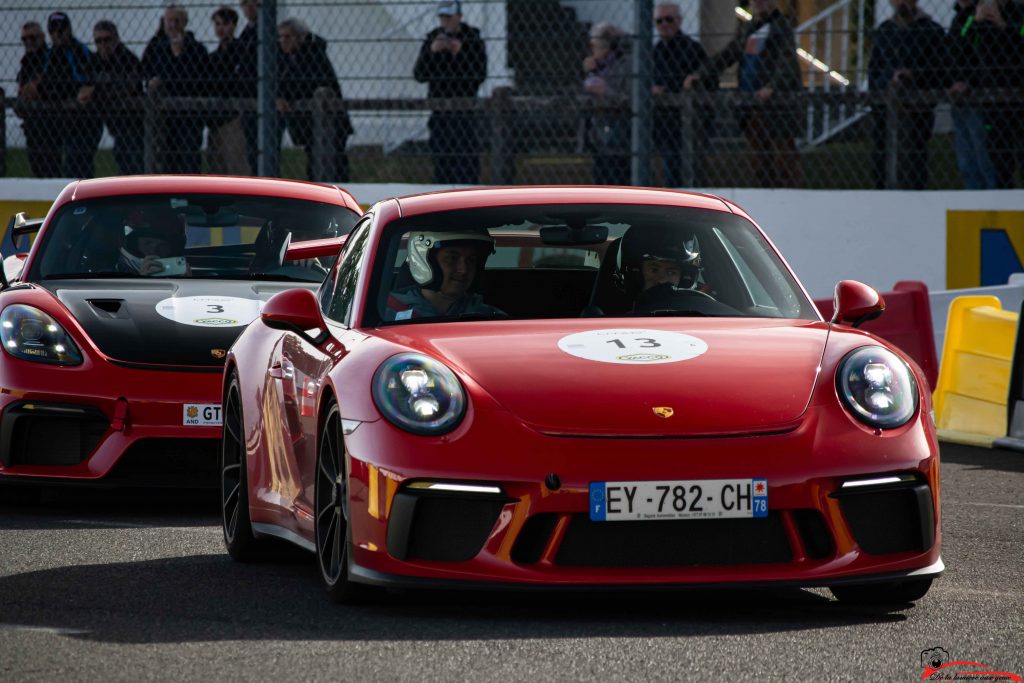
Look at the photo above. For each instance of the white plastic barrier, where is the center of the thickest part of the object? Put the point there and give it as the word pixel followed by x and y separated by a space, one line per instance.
pixel 1010 295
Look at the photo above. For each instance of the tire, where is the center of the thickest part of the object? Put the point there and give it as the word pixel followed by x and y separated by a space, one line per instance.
pixel 332 524
pixel 896 593
pixel 241 543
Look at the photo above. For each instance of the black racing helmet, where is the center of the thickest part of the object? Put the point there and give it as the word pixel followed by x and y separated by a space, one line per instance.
pixel 159 224
pixel 644 244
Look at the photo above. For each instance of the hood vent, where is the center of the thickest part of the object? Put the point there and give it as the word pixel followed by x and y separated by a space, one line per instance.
pixel 109 308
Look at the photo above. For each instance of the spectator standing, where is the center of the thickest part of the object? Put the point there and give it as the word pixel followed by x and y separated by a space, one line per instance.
pixel 42 159
pixel 453 63
pixel 303 69
pixel 248 40
pixel 608 80
pixel 176 64
pixel 987 52
pixel 226 146
pixel 74 130
pixel 676 55
pixel 117 78
pixel 909 55
pixel 769 74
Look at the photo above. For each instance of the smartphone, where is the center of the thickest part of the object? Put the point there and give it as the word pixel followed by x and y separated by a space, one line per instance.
pixel 173 266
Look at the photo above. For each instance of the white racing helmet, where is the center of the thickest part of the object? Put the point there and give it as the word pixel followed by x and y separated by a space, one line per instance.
pixel 423 246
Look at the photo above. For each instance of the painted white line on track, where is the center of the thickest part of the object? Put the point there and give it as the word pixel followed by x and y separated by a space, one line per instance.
pixel 985 505
pixel 44 629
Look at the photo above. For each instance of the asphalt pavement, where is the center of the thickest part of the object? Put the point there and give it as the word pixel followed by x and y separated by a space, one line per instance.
pixel 132 585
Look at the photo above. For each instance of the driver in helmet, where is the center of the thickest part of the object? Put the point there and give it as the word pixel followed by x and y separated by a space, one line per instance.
pixel 445 266
pixel 154 245
pixel 649 258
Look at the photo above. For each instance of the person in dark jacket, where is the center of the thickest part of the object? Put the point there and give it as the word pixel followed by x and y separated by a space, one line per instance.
pixel 676 55
pixel 608 79
pixel 249 44
pixel 769 73
pixel 909 54
pixel 43 158
pixel 226 146
pixel 117 76
pixel 74 130
pixel 303 69
pixel 453 63
pixel 176 64
pixel 987 53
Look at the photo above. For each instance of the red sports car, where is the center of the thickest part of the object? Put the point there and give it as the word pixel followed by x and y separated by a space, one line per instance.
pixel 115 327
pixel 586 387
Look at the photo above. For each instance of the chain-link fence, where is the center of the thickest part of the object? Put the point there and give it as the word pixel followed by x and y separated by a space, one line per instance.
pixel 700 93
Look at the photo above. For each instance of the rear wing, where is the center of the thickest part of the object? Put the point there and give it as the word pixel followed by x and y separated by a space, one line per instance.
pixel 21 224
pixel 323 248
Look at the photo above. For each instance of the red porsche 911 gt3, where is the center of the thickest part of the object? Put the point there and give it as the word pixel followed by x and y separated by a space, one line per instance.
pixel 578 387
pixel 116 325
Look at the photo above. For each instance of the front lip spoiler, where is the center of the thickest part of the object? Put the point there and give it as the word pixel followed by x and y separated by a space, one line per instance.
pixel 361 574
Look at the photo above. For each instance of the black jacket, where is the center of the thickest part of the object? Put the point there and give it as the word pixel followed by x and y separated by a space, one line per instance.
pixel 248 43
pixel 117 80
pixel 675 59
pixel 984 55
pixel 183 76
pixel 300 75
pixel 65 70
pixel 449 75
pixel 32 65
pixel 920 46
pixel 778 68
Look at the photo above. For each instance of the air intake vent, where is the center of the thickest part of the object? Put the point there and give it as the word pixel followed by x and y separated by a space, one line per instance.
pixel 113 308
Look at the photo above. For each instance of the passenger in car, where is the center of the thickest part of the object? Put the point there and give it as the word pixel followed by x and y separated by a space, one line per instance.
pixel 444 268
pixel 155 246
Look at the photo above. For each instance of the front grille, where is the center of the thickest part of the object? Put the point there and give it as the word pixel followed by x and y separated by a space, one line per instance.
pixel 440 527
pixel 49 434
pixel 674 543
pixel 169 462
pixel 533 538
pixel 814 534
pixel 890 519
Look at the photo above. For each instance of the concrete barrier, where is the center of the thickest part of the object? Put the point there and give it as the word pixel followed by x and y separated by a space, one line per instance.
pixel 974 375
pixel 906 323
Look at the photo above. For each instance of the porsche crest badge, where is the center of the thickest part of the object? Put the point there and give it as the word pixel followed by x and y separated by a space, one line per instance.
pixel 663 411
pixel 218 353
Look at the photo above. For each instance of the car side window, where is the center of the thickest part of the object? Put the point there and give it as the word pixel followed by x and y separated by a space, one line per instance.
pixel 339 305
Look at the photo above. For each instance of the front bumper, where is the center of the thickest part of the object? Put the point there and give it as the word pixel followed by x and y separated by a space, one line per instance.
pixel 104 423
pixel 533 535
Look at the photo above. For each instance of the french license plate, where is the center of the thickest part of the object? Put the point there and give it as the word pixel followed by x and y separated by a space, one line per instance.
pixel 201 415
pixel 618 501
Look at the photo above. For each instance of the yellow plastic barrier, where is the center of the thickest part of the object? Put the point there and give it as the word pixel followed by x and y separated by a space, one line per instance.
pixel 974 375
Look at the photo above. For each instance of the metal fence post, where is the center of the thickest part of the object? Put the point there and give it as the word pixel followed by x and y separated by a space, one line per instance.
pixel 266 90
pixel 643 19
pixel 151 124
pixel 503 161
pixel 892 137
pixel 3 133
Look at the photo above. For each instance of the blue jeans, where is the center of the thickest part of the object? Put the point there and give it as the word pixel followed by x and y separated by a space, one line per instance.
pixel 971 146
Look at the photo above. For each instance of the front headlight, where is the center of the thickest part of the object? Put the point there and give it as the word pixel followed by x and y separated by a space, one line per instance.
pixel 418 394
pixel 28 333
pixel 877 387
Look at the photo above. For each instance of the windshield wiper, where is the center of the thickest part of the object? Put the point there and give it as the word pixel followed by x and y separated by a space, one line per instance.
pixel 94 275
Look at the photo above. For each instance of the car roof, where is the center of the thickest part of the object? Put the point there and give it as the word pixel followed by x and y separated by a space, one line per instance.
pixel 206 184
pixel 453 200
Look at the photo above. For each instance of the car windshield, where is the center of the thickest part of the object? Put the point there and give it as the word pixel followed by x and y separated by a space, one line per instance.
pixel 568 261
pixel 193 236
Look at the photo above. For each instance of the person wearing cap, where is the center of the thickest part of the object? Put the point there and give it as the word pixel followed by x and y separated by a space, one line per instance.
pixel 74 128
pixel 175 64
pixel 444 267
pixel 453 63
pixel 43 160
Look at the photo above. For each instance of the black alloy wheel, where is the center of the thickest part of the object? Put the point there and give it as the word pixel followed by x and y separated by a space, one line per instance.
pixel 332 527
pixel 896 593
pixel 242 545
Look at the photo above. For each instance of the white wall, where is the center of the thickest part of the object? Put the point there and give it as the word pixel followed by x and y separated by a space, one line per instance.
pixel 826 236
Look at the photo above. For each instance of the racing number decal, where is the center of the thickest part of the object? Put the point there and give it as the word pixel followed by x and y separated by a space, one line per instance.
pixel 632 347
pixel 210 311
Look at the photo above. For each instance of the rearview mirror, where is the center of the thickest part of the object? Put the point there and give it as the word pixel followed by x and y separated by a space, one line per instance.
pixel 298 311
pixel 569 235
pixel 856 303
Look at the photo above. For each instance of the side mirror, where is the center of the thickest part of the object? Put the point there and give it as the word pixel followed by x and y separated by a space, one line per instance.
pixel 856 303
pixel 298 311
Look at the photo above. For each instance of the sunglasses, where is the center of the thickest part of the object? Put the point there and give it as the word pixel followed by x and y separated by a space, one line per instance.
pixel 665 20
